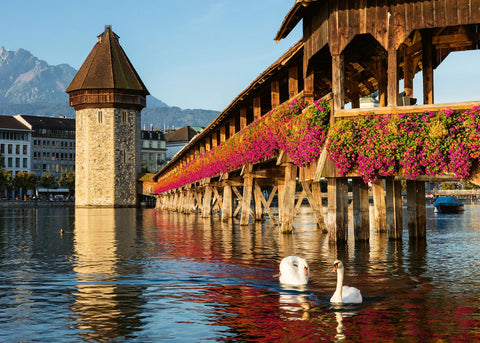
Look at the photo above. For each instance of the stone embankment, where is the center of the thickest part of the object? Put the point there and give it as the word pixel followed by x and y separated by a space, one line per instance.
pixel 34 203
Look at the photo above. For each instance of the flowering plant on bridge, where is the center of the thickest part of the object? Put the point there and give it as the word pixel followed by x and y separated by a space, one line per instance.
pixel 412 144
pixel 296 128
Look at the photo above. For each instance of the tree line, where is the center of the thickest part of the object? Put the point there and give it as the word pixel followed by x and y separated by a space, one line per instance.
pixel 22 182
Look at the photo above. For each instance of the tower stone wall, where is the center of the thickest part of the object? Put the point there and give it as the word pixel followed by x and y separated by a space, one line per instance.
pixel 107 157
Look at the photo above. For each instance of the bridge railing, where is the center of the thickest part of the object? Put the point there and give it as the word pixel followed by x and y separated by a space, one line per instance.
pixel 353 112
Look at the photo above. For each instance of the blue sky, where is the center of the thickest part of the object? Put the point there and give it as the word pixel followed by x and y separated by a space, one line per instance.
pixel 190 53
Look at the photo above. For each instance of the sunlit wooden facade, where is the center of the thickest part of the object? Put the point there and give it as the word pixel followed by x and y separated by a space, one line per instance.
pixel 350 49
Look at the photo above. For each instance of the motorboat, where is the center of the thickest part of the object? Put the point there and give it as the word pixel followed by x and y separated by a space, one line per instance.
pixel 448 204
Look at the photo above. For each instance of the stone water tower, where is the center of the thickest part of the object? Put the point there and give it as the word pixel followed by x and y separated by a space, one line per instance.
pixel 108 96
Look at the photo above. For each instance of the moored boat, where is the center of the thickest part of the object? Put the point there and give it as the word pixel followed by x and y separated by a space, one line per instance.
pixel 448 204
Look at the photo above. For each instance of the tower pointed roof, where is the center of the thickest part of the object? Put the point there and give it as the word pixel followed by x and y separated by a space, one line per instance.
pixel 107 67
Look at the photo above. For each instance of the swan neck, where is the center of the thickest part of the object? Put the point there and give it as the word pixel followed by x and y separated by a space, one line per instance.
pixel 340 281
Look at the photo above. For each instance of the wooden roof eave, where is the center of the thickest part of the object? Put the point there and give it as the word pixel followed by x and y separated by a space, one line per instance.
pixel 281 62
pixel 292 19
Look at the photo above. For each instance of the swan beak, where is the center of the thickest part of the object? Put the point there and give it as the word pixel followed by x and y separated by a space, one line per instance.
pixel 305 269
pixel 335 268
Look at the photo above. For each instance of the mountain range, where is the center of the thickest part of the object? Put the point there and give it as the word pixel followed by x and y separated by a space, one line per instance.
pixel 31 86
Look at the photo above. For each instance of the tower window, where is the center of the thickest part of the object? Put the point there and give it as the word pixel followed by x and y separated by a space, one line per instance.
pixel 100 117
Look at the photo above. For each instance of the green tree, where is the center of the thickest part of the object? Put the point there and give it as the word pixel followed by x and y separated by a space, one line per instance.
pixel 48 181
pixel 6 181
pixel 25 181
pixel 67 180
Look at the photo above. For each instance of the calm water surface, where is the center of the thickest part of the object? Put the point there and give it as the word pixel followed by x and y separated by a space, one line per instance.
pixel 118 275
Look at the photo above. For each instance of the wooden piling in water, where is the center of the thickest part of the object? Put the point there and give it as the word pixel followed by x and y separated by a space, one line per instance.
pixel 337 209
pixel 361 215
pixel 394 209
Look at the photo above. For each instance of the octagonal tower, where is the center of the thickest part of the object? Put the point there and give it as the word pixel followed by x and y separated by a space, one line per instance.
pixel 108 96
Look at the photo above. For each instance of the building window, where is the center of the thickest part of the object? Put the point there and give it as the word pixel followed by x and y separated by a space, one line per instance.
pixel 10 162
pixel 25 149
pixel 2 148
pixel 17 162
pixel 25 163
pixel 10 148
pixel 100 117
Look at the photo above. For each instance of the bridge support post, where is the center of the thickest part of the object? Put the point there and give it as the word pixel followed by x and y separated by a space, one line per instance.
pixel 394 208
pixel 207 202
pixel 378 191
pixel 361 215
pixel 417 220
pixel 246 199
pixel 227 209
pixel 288 198
pixel 257 193
pixel 337 210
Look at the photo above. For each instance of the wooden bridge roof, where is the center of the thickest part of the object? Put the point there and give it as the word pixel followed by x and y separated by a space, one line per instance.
pixel 293 52
pixel 107 67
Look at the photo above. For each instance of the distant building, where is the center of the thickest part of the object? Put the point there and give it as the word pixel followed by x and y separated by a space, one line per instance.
pixel 15 145
pixel 176 140
pixel 154 151
pixel 53 148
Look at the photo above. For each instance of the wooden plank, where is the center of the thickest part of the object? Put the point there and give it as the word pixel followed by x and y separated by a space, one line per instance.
pixel 257 108
pixel 275 93
pixel 381 24
pixel 428 14
pixel 463 11
pixel 371 17
pixel 231 127
pixel 399 34
pixel 451 13
pixel 333 38
pixel 409 22
pixel 362 16
pixel 475 11
pixel 439 10
pixel 243 118
pixel 292 81
pixel 392 77
pixel 343 29
pixel 459 106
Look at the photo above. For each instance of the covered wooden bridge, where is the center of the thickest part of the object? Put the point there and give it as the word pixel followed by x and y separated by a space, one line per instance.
pixel 350 49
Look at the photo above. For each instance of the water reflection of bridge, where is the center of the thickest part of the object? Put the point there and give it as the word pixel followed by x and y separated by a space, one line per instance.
pixel 350 49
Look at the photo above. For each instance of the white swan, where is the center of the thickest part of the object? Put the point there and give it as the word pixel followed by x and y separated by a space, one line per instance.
pixel 344 294
pixel 294 270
